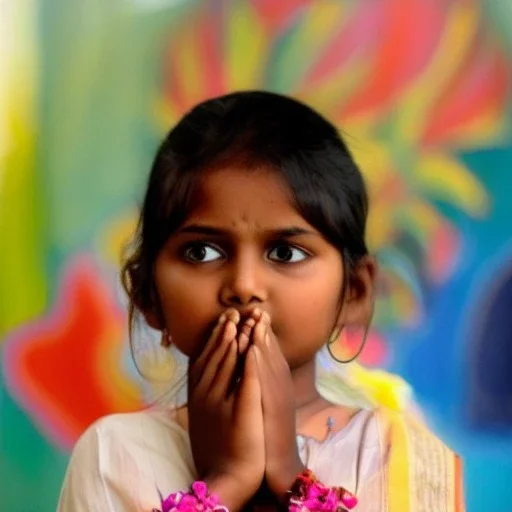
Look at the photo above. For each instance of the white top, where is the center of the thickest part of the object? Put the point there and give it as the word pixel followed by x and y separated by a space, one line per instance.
pixel 122 460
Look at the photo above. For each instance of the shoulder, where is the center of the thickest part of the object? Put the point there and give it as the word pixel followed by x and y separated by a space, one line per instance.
pixel 133 424
pixel 149 430
pixel 121 460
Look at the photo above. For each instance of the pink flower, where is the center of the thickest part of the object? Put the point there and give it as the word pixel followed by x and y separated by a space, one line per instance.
pixel 170 502
pixel 349 500
pixel 200 490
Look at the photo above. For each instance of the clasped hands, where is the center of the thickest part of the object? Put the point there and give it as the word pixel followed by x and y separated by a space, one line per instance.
pixel 241 411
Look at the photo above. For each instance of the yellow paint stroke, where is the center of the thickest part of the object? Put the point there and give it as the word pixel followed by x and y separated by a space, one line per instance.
pixel 246 48
pixel 447 179
pixel 22 286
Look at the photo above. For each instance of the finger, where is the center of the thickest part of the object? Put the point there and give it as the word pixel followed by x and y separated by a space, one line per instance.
pixel 197 366
pixel 249 391
pixel 221 383
pixel 266 318
pixel 273 348
pixel 273 368
pixel 217 356
pixel 275 406
pixel 244 335
pixel 262 358
pixel 271 402
pixel 265 375
pixel 212 340
pixel 259 332
pixel 256 313
pixel 243 340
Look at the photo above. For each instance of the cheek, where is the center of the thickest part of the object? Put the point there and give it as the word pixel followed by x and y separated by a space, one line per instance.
pixel 188 306
pixel 307 315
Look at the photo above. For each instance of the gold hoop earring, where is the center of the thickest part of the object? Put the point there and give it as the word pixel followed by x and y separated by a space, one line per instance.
pixel 335 335
pixel 166 340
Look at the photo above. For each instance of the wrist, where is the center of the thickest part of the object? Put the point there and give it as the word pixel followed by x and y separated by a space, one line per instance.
pixel 284 479
pixel 232 492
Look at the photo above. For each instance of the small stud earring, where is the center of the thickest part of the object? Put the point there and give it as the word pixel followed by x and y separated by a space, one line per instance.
pixel 166 340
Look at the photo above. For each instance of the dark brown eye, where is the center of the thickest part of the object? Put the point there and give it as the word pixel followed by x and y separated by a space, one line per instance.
pixel 287 254
pixel 202 253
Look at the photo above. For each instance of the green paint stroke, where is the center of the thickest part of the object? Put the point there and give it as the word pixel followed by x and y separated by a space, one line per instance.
pixel 22 282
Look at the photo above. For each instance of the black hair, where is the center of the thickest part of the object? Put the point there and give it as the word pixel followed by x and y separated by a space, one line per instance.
pixel 253 128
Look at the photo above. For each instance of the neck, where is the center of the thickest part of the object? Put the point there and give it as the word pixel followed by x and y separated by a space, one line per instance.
pixel 308 401
pixel 305 391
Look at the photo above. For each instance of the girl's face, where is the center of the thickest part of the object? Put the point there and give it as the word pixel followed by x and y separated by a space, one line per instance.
pixel 244 245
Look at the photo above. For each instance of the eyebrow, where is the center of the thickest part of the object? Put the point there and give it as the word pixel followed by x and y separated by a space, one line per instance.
pixel 201 229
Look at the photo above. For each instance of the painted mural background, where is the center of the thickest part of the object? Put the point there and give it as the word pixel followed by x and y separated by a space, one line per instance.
pixel 422 90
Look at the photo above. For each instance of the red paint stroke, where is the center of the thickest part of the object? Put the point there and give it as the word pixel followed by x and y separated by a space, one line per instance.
pixel 55 367
pixel 274 16
pixel 479 89
pixel 375 351
pixel 354 40
pixel 211 46
pixel 443 250
pixel 392 53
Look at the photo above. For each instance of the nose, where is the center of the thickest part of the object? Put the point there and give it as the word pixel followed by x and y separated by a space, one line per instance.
pixel 244 283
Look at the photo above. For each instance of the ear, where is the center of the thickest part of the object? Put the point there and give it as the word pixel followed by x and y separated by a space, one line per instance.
pixel 153 320
pixel 151 310
pixel 358 306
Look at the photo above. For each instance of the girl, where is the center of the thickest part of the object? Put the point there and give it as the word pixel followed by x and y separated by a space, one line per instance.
pixel 250 257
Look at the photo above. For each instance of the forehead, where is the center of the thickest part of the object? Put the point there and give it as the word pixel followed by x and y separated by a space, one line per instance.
pixel 238 196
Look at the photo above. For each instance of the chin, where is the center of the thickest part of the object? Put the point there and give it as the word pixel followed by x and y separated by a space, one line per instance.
pixel 295 362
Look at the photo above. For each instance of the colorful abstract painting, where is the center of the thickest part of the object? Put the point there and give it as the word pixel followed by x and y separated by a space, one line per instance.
pixel 422 92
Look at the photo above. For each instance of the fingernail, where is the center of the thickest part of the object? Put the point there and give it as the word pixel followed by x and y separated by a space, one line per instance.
pixel 222 318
